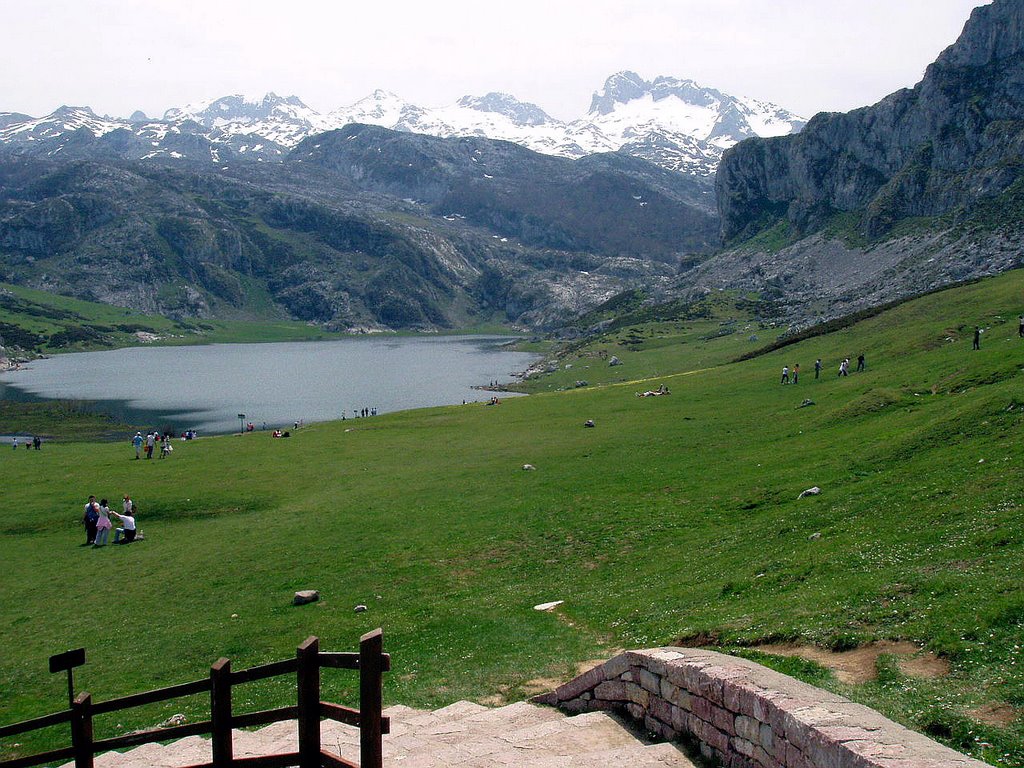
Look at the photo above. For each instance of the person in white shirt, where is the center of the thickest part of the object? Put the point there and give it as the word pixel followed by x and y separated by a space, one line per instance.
pixel 127 530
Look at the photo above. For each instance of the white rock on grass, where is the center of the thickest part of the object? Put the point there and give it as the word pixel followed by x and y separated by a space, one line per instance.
pixel 548 606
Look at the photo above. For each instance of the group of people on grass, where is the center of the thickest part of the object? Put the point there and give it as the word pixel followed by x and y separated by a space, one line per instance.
pixel 96 519
pixel 35 442
pixel 792 375
pixel 148 443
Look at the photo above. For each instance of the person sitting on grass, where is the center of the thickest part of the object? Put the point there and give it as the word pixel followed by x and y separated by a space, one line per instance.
pixel 127 531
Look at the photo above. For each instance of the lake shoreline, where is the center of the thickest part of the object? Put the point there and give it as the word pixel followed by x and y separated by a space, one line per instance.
pixel 207 387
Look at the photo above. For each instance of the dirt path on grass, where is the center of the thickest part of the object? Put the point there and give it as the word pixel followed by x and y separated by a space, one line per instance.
pixel 860 664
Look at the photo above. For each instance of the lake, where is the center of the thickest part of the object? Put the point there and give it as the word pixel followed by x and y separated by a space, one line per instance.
pixel 206 387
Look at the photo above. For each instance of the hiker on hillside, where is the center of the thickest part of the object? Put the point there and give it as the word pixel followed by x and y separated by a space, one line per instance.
pixel 977 337
pixel 137 444
pixel 796 373
pixel 817 368
pixel 150 442
pixel 785 375
pixel 103 524
pixel 90 516
pixel 844 367
pixel 860 362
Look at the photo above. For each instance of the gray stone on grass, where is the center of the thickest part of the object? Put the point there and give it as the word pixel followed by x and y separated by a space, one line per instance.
pixel 304 596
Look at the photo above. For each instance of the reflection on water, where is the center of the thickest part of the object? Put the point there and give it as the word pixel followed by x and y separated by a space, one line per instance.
pixel 207 387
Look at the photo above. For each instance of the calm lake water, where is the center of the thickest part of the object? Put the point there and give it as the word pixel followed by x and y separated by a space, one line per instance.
pixel 206 387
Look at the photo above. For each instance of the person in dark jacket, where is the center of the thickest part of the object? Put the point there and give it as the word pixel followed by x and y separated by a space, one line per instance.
pixel 89 519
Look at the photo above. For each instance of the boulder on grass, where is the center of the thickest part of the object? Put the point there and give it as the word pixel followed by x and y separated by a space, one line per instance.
pixel 304 596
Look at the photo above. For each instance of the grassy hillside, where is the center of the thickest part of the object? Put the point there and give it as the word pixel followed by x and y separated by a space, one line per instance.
pixel 41 322
pixel 676 517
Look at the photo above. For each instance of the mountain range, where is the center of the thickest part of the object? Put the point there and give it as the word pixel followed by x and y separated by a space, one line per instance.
pixel 674 123
pixel 412 218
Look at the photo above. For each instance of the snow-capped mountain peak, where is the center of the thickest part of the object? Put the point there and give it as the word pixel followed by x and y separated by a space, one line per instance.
pixel 379 108
pixel 519 112
pixel 237 107
pixel 673 122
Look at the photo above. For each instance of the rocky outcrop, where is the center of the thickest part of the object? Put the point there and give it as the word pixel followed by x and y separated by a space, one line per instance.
pixel 954 139
pixel 820 278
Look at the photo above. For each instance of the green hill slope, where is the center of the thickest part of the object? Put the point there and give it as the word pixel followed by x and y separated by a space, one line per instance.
pixel 675 517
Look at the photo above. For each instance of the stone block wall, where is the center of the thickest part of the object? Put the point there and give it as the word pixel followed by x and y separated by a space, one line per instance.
pixel 748 716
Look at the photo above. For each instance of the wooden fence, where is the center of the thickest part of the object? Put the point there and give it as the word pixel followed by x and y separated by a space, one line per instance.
pixel 308 710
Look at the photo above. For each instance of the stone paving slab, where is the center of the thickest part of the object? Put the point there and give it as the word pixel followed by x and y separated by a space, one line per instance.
pixel 461 735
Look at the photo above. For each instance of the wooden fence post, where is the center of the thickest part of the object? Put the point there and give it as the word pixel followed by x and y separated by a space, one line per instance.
pixel 371 668
pixel 221 741
pixel 309 702
pixel 81 729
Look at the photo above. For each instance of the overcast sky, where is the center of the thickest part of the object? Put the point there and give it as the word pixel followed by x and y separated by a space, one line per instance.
pixel 117 56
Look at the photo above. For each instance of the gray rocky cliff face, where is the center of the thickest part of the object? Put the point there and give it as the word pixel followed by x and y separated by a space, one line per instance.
pixel 955 138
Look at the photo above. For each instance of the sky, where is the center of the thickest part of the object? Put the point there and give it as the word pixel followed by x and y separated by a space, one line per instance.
pixel 118 56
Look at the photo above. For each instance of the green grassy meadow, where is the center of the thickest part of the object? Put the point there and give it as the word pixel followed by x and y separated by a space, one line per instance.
pixel 675 518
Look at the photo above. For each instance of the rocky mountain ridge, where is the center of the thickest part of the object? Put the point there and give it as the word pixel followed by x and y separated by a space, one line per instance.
pixel 674 123
pixel 921 190
pixel 952 140
pixel 360 227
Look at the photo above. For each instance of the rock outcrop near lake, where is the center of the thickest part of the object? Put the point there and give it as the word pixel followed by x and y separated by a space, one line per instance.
pixel 950 142
pixel 921 190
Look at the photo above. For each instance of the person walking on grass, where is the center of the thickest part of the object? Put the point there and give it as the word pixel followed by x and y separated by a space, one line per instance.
pixel 977 337
pixel 860 362
pixel 785 374
pixel 1020 326
pixel 844 367
pixel 103 524
pixel 817 368
pixel 137 444
pixel 796 373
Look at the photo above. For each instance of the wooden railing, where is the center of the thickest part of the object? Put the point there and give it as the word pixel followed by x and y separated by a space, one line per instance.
pixel 370 661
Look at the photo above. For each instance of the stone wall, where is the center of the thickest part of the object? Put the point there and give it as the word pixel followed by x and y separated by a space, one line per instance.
pixel 748 716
